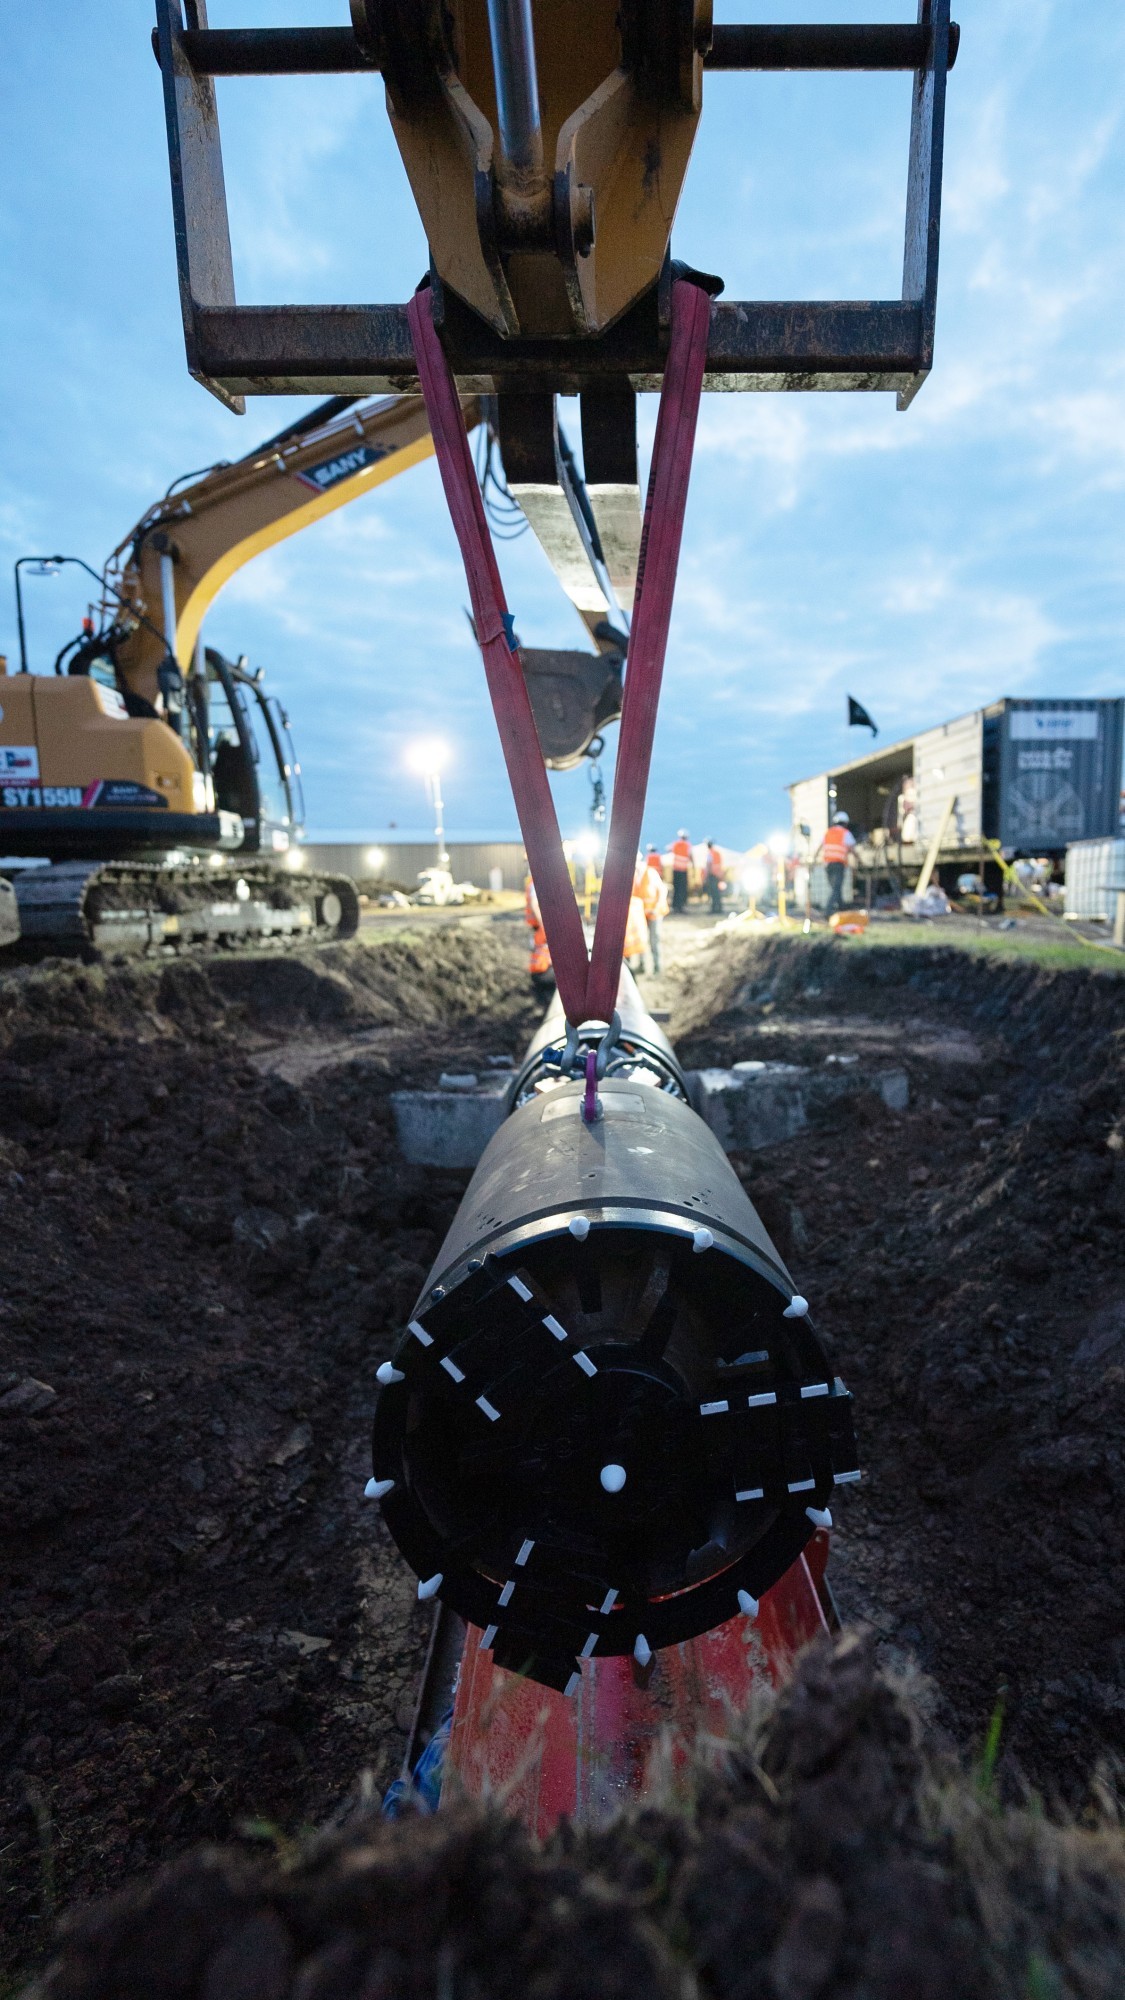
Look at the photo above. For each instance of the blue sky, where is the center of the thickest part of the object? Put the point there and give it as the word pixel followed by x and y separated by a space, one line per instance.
pixel 926 563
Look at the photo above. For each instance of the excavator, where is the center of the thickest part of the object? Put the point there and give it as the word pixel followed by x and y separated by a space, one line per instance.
pixel 610 1436
pixel 158 778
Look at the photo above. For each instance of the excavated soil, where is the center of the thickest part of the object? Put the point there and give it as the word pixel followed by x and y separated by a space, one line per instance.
pixel 207 1243
pixel 201 1265
pixel 966 1259
pixel 822 1857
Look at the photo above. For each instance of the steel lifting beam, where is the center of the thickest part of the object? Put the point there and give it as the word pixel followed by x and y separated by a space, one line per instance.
pixel 325 51
pixel 366 349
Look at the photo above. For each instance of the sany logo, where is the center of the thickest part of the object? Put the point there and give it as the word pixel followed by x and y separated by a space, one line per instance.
pixel 19 760
pixel 322 477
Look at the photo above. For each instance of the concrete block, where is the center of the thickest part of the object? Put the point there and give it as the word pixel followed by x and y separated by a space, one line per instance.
pixel 752 1105
pixel 452 1127
pixel 9 914
pixel 763 1104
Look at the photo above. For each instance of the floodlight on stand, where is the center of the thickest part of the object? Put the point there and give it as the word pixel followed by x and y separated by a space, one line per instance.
pixel 428 758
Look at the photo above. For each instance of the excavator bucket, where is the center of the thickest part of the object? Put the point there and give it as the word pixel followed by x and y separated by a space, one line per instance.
pixel 574 696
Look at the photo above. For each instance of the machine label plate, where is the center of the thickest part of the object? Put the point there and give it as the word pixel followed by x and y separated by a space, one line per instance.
pixel 103 792
pixel 344 466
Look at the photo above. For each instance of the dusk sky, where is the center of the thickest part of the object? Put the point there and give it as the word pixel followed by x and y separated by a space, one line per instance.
pixel 925 563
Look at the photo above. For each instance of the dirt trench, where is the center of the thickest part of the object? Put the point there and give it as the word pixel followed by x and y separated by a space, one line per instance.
pixel 207 1243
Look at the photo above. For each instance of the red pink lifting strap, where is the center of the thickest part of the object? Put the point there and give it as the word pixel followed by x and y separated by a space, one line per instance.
pixel 587 985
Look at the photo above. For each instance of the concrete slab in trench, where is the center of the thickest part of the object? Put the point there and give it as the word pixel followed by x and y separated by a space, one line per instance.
pixel 755 1104
pixel 759 1104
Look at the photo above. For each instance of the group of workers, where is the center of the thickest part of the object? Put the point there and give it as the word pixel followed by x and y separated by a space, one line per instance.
pixel 648 907
pixel 649 903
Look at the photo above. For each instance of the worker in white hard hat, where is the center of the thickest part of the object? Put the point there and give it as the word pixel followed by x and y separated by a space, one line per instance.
pixel 836 849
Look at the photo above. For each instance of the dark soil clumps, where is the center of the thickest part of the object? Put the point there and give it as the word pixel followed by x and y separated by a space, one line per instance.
pixel 823 1859
pixel 966 1259
pixel 201 1266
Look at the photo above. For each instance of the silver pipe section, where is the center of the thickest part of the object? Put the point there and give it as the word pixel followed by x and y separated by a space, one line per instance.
pixel 168 594
pixel 517 84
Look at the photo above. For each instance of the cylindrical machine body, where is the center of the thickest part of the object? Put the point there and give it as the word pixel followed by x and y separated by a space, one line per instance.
pixel 610 1415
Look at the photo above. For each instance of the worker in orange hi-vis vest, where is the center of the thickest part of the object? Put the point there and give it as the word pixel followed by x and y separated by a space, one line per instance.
pixel 636 927
pixel 681 869
pixel 714 877
pixel 836 848
pixel 539 964
pixel 654 898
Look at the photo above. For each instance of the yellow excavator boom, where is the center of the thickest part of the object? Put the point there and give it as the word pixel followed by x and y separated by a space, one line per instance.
pixel 172 565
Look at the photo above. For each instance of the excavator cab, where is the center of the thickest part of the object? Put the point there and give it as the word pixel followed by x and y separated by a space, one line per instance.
pixel 245 750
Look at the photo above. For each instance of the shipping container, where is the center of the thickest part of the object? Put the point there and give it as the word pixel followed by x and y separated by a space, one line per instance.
pixel 1034 776
pixel 1053 773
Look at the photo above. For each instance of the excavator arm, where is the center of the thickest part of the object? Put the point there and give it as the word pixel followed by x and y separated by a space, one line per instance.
pixel 172 565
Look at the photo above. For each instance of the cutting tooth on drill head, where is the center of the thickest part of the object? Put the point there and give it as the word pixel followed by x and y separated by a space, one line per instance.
pixel 702 1239
pixel 642 1651
pixel 487 1637
pixel 713 1409
pixel 377 1489
pixel 505 1596
pixel 802 1486
pixel 612 1478
pixel 751 1493
pixel 760 1402
pixel 573 1685
pixel 797 1307
pixel 747 1605
pixel 819 1516
pixel 430 1586
pixel 607 1603
pixel 386 1373
pixel 588 1649
pixel 419 1332
pixel 814 1389
pixel 579 1227
pixel 584 1362
pixel 490 1410
pixel 552 1326
pixel 519 1288
pixel 451 1369
pixel 845 1478
pixel 525 1551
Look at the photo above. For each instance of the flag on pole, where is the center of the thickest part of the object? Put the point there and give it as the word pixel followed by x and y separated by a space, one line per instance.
pixel 858 717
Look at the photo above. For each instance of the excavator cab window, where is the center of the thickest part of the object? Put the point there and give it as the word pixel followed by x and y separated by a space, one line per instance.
pixel 230 746
pixel 250 768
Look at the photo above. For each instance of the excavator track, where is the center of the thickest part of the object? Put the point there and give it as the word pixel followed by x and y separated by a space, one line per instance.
pixel 112 907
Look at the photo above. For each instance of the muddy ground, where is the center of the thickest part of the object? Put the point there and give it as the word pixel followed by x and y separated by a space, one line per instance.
pixel 207 1243
pixel 822 1857
pixel 967 1260
pixel 202 1263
